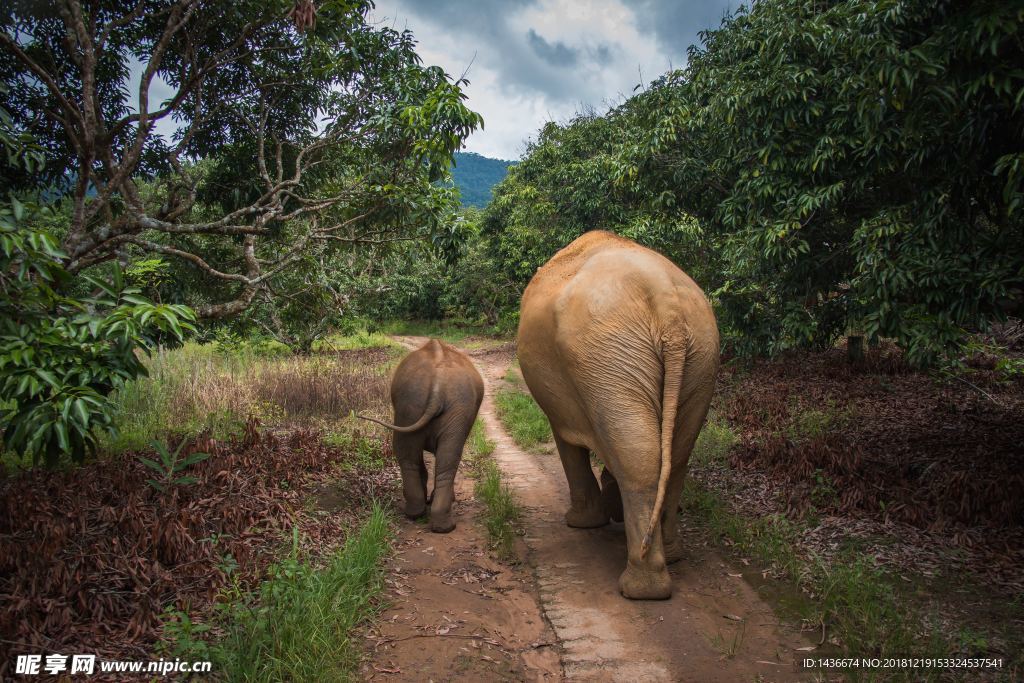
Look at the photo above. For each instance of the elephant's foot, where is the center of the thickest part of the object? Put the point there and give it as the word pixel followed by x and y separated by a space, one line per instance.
pixel 415 510
pixel 673 550
pixel 645 583
pixel 441 524
pixel 588 517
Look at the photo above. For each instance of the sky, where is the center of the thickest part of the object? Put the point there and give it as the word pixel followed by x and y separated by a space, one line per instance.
pixel 533 61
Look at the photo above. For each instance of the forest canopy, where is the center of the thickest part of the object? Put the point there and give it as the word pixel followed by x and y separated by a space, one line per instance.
pixel 299 134
pixel 292 138
pixel 819 168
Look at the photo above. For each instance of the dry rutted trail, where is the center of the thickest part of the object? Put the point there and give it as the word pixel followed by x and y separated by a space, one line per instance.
pixel 714 628
pixel 455 613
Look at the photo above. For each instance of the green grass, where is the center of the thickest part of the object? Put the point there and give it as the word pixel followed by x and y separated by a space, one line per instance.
pixel 357 438
pixel 713 444
pixel 479 445
pixel 358 339
pixel 808 424
pixel 514 374
pixel 451 331
pixel 299 625
pixel 858 602
pixel 523 418
pixel 501 513
pixel 155 405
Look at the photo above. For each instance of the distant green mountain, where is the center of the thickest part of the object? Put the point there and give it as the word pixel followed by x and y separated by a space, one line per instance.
pixel 475 175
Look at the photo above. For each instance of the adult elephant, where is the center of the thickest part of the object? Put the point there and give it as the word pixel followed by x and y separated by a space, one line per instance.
pixel 620 349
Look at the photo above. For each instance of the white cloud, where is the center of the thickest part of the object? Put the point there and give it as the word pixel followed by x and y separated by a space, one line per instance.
pixel 533 61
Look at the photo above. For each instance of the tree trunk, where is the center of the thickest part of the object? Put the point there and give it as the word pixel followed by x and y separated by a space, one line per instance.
pixel 855 349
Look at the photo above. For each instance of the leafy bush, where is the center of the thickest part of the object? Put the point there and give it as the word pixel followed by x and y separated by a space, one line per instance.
pixel 61 355
pixel 844 163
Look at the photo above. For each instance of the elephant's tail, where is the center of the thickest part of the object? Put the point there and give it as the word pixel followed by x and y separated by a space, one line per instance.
pixel 434 404
pixel 673 360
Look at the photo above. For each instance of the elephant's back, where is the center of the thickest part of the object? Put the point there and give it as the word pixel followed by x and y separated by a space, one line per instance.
pixel 602 273
pixel 561 267
pixel 592 330
pixel 460 377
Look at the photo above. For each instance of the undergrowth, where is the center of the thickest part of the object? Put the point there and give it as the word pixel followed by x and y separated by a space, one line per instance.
pixel 213 389
pixel 848 597
pixel 713 443
pixel 298 625
pixel 452 331
pixel 522 417
pixel 501 513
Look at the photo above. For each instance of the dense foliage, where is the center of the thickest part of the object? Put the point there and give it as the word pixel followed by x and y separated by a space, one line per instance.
pixel 460 280
pixel 62 355
pixel 297 131
pixel 857 164
pixel 820 168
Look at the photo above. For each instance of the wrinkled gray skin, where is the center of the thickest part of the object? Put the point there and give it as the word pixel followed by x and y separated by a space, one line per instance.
pixel 620 349
pixel 436 392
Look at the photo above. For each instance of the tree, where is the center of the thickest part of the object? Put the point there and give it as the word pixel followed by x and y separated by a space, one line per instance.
pixel 564 186
pixel 855 165
pixel 297 129
pixel 61 355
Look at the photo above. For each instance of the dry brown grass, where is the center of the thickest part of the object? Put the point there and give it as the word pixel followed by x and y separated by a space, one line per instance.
pixel 196 389
pixel 322 387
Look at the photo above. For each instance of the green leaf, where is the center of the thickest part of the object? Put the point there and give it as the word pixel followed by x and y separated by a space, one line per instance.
pixel 151 464
pixel 193 459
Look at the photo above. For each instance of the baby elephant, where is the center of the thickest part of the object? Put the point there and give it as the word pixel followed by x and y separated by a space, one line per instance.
pixel 437 392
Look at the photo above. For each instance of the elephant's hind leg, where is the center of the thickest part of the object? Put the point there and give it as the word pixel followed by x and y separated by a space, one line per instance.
pixel 409 453
pixel 585 507
pixel 645 578
pixel 446 464
pixel 670 516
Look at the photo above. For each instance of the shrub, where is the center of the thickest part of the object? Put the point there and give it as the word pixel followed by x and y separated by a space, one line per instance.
pixel 61 356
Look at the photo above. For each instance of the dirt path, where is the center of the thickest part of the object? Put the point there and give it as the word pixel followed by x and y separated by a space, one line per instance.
pixel 715 627
pixel 455 613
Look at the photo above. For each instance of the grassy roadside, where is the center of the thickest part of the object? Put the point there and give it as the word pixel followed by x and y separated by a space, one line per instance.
pixel 298 625
pixel 452 331
pixel 855 606
pixel 501 513
pixel 216 388
pixel 522 417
